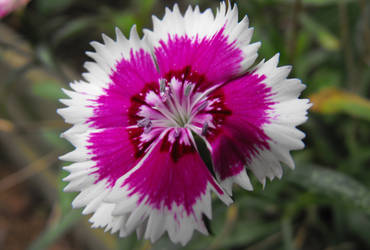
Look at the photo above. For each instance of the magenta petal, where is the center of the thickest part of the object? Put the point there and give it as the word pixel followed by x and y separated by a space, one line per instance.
pixel 113 153
pixel 128 79
pixel 241 135
pixel 210 60
pixel 167 179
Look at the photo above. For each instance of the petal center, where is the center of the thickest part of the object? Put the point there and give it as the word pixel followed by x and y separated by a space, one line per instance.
pixel 178 104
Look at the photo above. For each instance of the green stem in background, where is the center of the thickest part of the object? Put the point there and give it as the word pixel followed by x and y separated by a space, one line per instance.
pixel 366 30
pixel 347 47
pixel 287 229
pixel 231 219
pixel 56 230
pixel 338 186
pixel 292 33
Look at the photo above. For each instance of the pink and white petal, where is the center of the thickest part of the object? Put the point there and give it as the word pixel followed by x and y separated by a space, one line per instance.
pixel 83 179
pixel 283 89
pixel 265 164
pixel 75 130
pixel 206 43
pixel 79 107
pixel 115 152
pixel 144 197
pixel 239 33
pixel 241 178
pixel 269 119
pixel 241 135
pixel 101 157
pixel 108 54
pixel 112 109
pixel 121 70
pixel 102 216
pixel 287 111
pixel 291 112
pixel 80 176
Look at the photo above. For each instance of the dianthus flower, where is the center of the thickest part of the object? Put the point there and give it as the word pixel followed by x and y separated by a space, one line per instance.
pixel 143 101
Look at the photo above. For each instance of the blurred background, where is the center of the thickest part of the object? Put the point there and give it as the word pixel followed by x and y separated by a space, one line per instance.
pixel 323 204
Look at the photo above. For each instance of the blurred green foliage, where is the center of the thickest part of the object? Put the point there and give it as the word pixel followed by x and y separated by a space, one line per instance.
pixel 323 204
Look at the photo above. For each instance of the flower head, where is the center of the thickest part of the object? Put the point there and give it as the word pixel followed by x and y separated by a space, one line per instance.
pixel 136 163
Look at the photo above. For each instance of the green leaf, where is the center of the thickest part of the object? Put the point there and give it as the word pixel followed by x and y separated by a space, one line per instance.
pixel 304 41
pixel 48 6
pixel 146 6
pixel 130 242
pixel 359 224
pixel 48 89
pixel 324 37
pixel 314 3
pixel 333 184
pixel 124 21
pixel 309 61
pixel 287 230
pixel 75 28
pixel 204 152
pixel 322 78
pixel 45 55
pixel 250 232
pixel 324 2
pixel 333 100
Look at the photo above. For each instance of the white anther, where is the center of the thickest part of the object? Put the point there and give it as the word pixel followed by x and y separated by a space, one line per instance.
pixel 205 128
pixel 177 132
pixel 162 85
pixel 148 128
pixel 163 95
pixel 203 106
pixel 188 89
pixel 143 122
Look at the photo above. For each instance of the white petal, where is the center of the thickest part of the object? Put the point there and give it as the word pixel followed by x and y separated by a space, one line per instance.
pixel 102 216
pixel 265 164
pixel 155 227
pixel 242 180
pixel 89 194
pixel 80 183
pixel 286 112
pixel 76 114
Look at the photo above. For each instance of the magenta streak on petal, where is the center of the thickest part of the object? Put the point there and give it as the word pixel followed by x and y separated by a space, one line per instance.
pixel 175 147
pixel 163 180
pixel 113 153
pixel 219 112
pixel 214 58
pixel 241 135
pixel 128 79
pixel 138 100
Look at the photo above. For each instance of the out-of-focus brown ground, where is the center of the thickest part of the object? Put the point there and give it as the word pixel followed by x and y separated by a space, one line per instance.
pixel 23 216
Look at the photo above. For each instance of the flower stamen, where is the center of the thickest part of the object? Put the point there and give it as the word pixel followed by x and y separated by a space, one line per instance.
pixel 145 123
pixel 188 88
pixel 202 106
pixel 205 128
